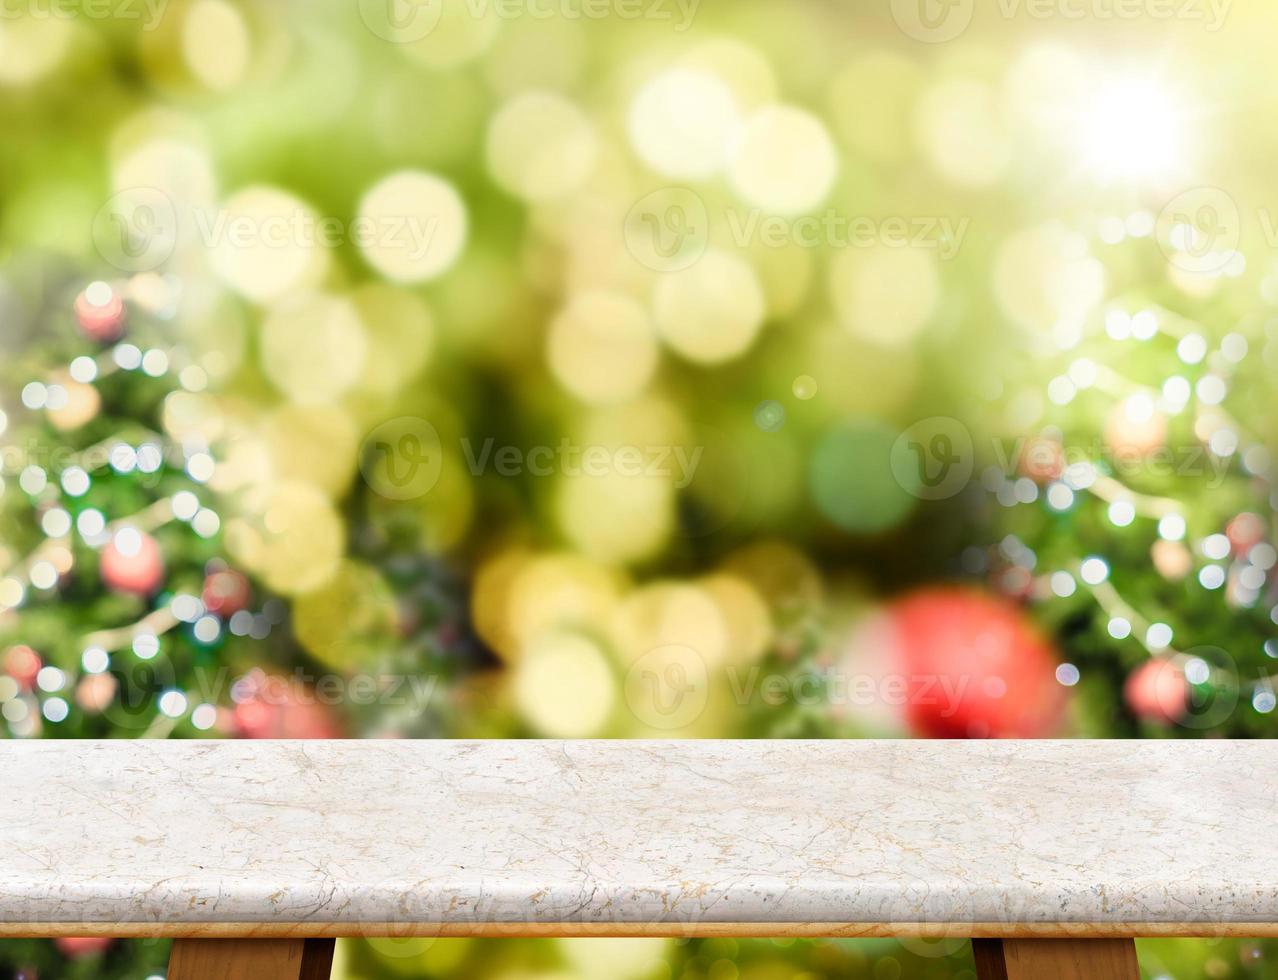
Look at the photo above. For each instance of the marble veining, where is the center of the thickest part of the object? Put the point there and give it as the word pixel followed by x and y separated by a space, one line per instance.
pixel 639 832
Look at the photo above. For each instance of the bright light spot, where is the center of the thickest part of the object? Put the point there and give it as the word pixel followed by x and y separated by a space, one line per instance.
pixel 1263 556
pixel 128 541
pixel 200 467
pixel 35 395
pixel 206 523
pixel 1223 442
pixel 1121 513
pixel 1211 577
pixel 43 575
pixel 1197 671
pixel 1212 389
pixel 1061 390
pixel 1139 408
pixel 1176 392
pixel 204 716
pixel 127 356
pixel 1132 129
pixel 50 679
pixel 1067 674
pixel 155 362
pixel 187 608
pixel 84 369
pixel 1083 373
pixel 185 505
pixel 55 710
pixel 207 629
pixel 75 481
pixel 150 457
pixel 146 645
pixel 1144 325
pixel 32 480
pixel 1192 348
pixel 1171 527
pixel 124 458
pixel 173 704
pixel 1094 571
pixel 1158 636
pixel 1216 546
pixel 95 660
pixel 90 523
pixel 1063 584
pixel 1251 578
pixel 1118 325
pixel 56 523
pixel 1264 701
pixel 1060 497
pixel 1120 628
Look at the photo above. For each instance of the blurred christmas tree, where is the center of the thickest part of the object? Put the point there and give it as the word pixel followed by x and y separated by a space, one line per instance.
pixel 118 615
pixel 1135 507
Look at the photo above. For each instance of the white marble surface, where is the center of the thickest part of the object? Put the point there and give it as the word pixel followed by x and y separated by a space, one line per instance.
pixel 625 832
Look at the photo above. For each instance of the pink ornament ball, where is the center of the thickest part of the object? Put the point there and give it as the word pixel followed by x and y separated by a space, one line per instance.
pixel 1157 691
pixel 99 311
pixel 131 562
pixel 78 947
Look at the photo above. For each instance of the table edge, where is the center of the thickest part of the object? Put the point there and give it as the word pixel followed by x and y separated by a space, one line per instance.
pixel 655 930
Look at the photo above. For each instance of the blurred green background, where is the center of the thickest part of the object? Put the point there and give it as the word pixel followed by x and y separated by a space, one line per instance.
pixel 637 368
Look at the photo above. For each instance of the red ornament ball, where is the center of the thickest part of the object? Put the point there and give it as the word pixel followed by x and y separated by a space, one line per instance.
pixel 974 666
pixel 1042 459
pixel 78 947
pixel 226 592
pixel 1245 532
pixel 99 311
pixel 280 707
pixel 22 664
pixel 132 562
pixel 1157 691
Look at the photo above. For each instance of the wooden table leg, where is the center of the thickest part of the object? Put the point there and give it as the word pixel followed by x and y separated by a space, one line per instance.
pixel 1055 959
pixel 251 959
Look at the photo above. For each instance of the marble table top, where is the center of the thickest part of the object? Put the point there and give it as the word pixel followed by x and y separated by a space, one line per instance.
pixel 618 838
